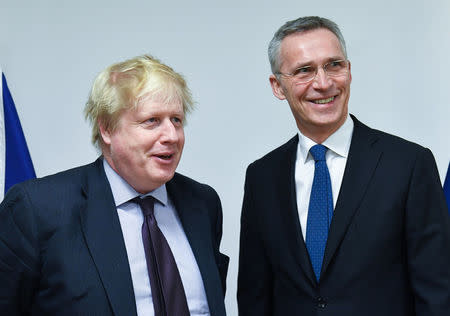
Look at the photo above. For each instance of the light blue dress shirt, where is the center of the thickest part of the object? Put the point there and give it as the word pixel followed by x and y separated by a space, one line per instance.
pixel 131 220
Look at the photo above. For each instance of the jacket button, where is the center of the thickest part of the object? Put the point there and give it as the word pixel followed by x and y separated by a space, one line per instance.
pixel 321 303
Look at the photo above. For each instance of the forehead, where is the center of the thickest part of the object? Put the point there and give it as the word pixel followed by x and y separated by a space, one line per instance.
pixel 148 107
pixel 315 45
pixel 159 103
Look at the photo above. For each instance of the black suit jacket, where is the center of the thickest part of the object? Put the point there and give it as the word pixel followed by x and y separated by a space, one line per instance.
pixel 388 248
pixel 62 251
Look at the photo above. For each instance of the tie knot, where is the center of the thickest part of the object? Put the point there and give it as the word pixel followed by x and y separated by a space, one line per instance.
pixel 147 204
pixel 318 152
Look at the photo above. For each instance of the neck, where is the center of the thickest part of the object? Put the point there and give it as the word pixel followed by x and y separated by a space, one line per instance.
pixel 318 134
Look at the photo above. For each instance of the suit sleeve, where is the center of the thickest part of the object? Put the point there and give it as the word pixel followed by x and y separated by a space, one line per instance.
pixel 18 254
pixel 255 275
pixel 428 239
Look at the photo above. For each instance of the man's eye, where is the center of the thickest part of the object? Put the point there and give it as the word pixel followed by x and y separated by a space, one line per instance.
pixel 302 71
pixel 336 64
pixel 177 120
pixel 151 120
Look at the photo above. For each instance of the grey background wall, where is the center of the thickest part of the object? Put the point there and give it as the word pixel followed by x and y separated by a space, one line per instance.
pixel 51 51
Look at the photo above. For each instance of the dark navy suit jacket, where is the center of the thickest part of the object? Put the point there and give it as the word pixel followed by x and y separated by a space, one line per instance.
pixel 388 248
pixel 62 251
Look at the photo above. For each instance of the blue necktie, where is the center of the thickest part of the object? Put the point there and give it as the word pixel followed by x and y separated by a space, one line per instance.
pixel 320 209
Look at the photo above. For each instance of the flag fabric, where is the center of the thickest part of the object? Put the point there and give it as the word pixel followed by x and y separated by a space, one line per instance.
pixel 447 188
pixel 15 161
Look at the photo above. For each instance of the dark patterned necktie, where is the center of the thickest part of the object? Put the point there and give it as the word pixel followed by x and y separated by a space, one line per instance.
pixel 169 298
pixel 320 210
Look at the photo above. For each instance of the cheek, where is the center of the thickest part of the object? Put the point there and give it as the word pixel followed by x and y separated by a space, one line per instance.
pixel 181 138
pixel 117 146
pixel 298 92
pixel 127 148
pixel 142 142
pixel 344 84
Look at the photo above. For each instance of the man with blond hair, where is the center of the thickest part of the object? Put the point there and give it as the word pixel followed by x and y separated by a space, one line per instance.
pixel 124 235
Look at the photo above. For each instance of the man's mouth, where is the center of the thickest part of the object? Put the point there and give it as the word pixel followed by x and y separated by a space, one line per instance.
pixel 323 101
pixel 164 157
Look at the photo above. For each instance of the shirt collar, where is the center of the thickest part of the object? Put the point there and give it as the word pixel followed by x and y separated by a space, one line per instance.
pixel 123 192
pixel 338 142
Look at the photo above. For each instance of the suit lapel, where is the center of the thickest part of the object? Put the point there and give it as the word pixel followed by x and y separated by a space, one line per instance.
pixel 194 217
pixel 101 227
pixel 287 196
pixel 362 161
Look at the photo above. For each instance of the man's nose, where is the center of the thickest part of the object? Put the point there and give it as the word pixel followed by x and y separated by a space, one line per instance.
pixel 321 80
pixel 169 131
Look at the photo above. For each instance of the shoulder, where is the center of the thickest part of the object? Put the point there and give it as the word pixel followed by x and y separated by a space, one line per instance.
pixel 278 155
pixel 52 188
pixel 400 158
pixel 274 162
pixel 39 206
pixel 388 143
pixel 187 185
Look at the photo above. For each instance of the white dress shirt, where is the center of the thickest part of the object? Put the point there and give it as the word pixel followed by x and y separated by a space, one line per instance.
pixel 338 145
pixel 131 220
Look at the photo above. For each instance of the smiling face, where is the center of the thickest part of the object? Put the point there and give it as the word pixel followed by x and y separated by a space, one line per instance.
pixel 320 106
pixel 146 146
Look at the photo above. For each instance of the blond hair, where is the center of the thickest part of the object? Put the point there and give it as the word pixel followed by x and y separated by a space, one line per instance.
pixel 122 85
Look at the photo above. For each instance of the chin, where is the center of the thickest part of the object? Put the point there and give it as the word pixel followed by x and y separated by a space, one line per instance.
pixel 328 118
pixel 165 177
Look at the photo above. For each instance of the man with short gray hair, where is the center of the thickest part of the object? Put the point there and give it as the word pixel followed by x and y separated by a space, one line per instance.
pixel 342 219
pixel 125 235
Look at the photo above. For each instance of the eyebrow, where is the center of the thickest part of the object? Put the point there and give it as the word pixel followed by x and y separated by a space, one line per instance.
pixel 301 65
pixel 310 62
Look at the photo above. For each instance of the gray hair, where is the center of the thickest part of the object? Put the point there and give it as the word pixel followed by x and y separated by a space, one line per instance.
pixel 300 25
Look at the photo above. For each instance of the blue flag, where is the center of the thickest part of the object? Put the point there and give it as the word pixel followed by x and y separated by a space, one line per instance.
pixel 15 158
pixel 447 187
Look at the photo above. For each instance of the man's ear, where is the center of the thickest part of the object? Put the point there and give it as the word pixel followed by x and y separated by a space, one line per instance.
pixel 104 133
pixel 277 89
pixel 350 71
